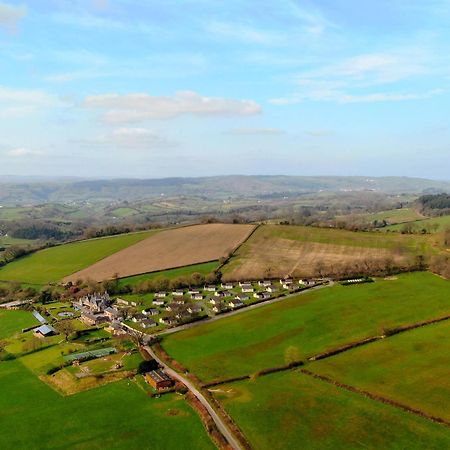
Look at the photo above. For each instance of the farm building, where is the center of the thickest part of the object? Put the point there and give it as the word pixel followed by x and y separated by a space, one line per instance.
pixel 116 329
pixel 121 301
pixel 236 303
pixel 247 287
pixel 44 331
pixel 150 312
pixel 113 313
pixel 158 379
pixel 219 294
pixel 138 317
pixel 193 291
pixel 167 321
pixel 93 319
pixel 148 323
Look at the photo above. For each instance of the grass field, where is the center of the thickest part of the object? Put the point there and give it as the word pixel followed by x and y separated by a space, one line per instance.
pixel 441 223
pixel 169 249
pixel 52 264
pixel 204 269
pixel 12 322
pixel 116 416
pixel 312 322
pixel 392 216
pixel 291 410
pixel 280 250
pixel 411 368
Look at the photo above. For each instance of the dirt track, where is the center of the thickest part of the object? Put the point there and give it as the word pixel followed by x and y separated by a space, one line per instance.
pixel 168 249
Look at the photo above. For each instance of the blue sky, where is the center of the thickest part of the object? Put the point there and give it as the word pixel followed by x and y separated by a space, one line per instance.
pixel 143 88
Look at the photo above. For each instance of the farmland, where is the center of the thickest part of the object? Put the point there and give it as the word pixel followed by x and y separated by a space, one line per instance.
pixel 279 250
pixel 202 268
pixel 168 249
pixel 411 368
pixel 280 411
pixel 311 323
pixel 14 321
pixel 440 224
pixel 52 264
pixel 35 416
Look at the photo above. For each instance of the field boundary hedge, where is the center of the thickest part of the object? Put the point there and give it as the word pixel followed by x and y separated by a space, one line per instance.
pixel 377 398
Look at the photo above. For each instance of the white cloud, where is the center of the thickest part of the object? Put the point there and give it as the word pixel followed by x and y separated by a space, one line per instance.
pixel 363 78
pixel 142 106
pixel 255 131
pixel 129 138
pixel 320 133
pixel 21 152
pixel 10 16
pixel 241 33
pixel 339 96
pixel 22 102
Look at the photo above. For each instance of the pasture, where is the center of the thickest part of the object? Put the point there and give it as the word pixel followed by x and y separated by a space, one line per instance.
pixel 411 368
pixel 169 249
pixel 292 410
pixel 311 323
pixel 115 416
pixel 52 264
pixel 440 224
pixel 12 322
pixel 281 250
pixel 170 274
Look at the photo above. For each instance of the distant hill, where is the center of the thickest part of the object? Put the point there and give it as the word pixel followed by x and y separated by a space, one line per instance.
pixel 35 191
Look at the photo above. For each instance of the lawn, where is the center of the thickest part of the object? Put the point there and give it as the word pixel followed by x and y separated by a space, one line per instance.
pixel 279 250
pixel 187 271
pixel 116 416
pixel 311 322
pixel 292 410
pixel 52 264
pixel 12 322
pixel 411 368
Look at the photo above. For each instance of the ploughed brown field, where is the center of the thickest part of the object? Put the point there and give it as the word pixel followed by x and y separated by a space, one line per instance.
pixel 168 249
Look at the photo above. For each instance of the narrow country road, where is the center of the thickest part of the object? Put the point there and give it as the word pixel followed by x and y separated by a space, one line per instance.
pixel 217 420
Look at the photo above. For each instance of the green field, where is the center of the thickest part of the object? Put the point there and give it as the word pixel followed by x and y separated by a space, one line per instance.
pixel 52 264
pixel 12 322
pixel 116 416
pixel 411 368
pixel 204 269
pixel 395 215
pixel 292 410
pixel 312 322
pixel 441 223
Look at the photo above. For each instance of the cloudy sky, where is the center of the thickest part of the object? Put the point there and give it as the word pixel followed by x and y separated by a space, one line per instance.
pixel 153 88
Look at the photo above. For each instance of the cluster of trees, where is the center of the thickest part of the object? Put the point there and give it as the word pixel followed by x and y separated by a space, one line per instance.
pixel 372 267
pixel 438 204
pixel 419 228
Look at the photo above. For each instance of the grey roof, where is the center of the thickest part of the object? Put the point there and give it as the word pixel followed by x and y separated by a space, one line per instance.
pixel 45 330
